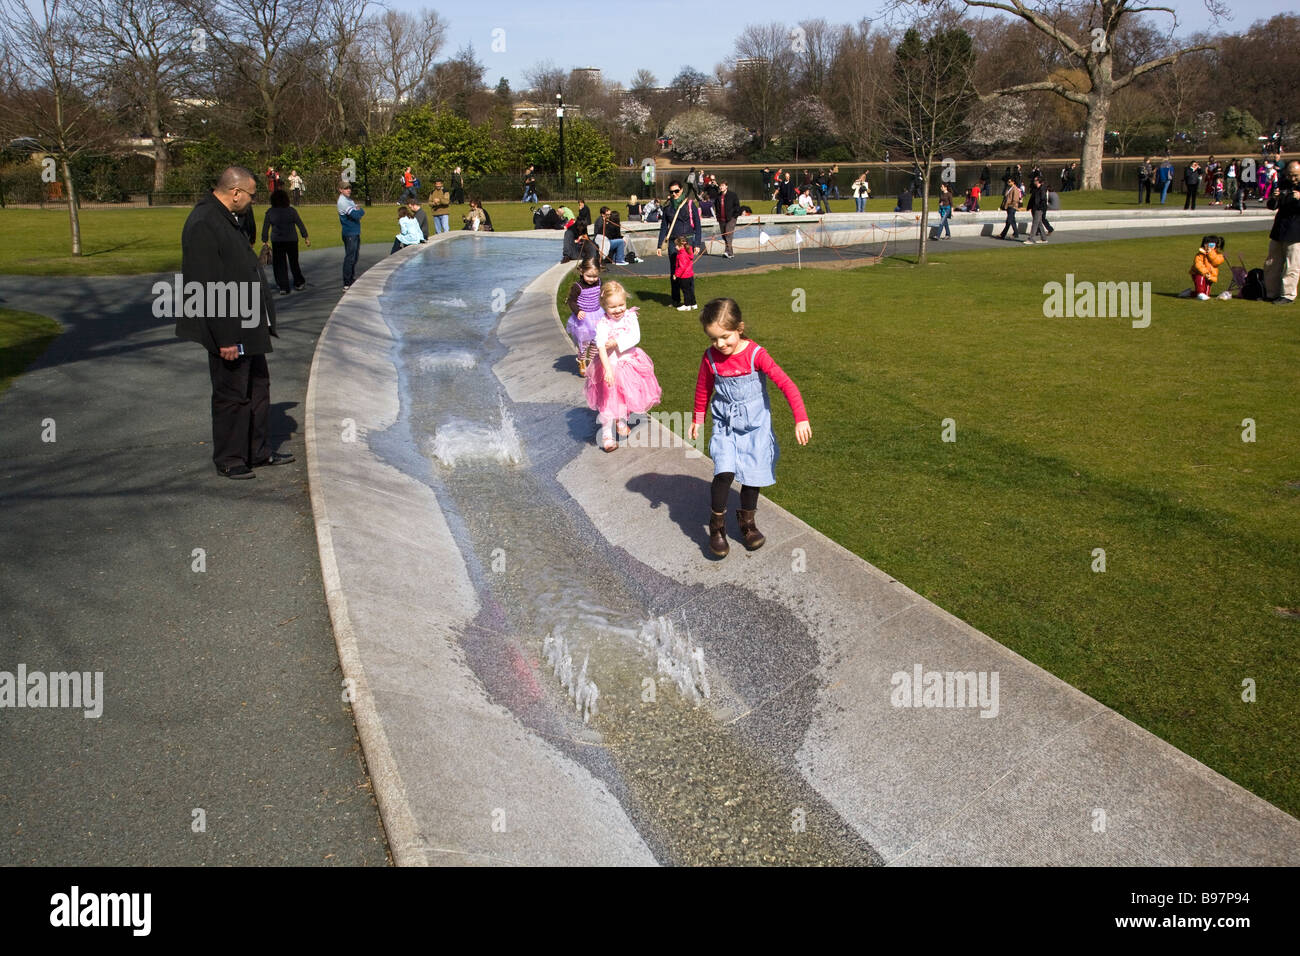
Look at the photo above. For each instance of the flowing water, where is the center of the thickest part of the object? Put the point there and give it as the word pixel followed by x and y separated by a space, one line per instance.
pixel 659 690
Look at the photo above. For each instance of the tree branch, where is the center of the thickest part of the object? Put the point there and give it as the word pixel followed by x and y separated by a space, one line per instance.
pixel 1041 23
pixel 1060 89
pixel 1150 65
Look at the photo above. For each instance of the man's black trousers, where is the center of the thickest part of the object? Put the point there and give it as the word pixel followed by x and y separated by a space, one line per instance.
pixel 241 410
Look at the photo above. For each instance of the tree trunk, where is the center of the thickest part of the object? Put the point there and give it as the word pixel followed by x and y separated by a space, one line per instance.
pixel 161 157
pixel 74 220
pixel 1094 140
pixel 923 240
pixel 1094 129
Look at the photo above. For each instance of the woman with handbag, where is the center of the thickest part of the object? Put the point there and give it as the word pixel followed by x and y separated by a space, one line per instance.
pixel 283 224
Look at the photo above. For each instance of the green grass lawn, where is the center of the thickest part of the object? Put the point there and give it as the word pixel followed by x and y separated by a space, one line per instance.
pixel 1072 434
pixel 24 336
pixel 129 241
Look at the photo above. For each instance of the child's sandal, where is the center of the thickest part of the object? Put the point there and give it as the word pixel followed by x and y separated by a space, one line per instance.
pixel 623 428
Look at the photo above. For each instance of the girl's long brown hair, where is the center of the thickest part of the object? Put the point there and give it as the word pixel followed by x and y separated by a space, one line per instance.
pixel 723 311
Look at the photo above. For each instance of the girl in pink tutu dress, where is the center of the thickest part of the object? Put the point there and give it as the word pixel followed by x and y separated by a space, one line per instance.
pixel 624 380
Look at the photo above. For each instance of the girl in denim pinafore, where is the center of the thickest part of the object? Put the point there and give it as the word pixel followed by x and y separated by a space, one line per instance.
pixel 743 442
pixel 743 446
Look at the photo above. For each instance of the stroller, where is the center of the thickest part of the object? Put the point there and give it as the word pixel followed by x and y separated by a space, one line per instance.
pixel 1239 273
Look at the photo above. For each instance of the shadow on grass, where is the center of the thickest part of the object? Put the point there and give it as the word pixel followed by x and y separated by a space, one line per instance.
pixel 117 248
pixel 660 298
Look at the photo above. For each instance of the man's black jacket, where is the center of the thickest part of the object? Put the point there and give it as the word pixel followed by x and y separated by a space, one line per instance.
pixel 728 206
pixel 213 249
pixel 1286 224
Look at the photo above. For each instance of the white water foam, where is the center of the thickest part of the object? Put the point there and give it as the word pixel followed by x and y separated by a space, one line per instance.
pixel 461 441
pixel 456 303
pixel 582 690
pixel 677 657
pixel 459 358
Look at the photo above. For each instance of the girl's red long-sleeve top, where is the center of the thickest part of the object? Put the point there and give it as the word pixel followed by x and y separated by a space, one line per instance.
pixel 737 363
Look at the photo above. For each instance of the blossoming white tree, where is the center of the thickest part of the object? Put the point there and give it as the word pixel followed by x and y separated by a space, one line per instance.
pixel 699 135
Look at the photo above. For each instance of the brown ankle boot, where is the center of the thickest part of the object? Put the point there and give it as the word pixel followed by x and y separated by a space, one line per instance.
pixel 752 537
pixel 718 533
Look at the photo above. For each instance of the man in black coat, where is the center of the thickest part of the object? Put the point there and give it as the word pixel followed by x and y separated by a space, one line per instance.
pixel 728 213
pixel 785 192
pixel 1192 183
pixel 1282 268
pixel 228 309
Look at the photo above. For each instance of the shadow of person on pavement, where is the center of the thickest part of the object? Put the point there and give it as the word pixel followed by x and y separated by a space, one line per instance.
pixel 687 498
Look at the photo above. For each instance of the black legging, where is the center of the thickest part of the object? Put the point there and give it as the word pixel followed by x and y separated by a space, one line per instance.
pixel 722 490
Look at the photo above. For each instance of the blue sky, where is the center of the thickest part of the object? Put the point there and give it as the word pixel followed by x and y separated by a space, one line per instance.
pixel 621 36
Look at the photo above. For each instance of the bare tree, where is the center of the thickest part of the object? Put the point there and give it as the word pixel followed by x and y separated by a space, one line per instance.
pixel 859 84
pixel 1088 35
pixel 344 64
pixel 456 84
pixel 264 44
pixel 544 79
pixel 761 72
pixel 814 46
pixel 1180 88
pixel 47 97
pixel 145 56
pixel 403 47
pixel 927 107
pixel 689 85
pixel 644 84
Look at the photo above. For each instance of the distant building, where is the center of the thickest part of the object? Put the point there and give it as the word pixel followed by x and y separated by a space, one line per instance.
pixel 527 115
pixel 530 115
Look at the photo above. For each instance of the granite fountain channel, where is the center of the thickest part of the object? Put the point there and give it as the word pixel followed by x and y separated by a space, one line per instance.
pixel 643 682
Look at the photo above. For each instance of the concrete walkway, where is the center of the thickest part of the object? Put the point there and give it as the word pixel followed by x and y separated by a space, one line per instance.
pixel 221 687
pixel 803 746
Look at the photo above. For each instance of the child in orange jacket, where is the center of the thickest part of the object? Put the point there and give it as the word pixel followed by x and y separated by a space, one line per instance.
pixel 1205 269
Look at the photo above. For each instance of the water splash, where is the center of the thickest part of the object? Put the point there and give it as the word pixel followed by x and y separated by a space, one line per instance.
pixel 676 657
pixel 460 441
pixel 582 689
pixel 456 302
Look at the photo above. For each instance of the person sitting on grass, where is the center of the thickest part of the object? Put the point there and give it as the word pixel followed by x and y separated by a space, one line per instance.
pixel 1205 267
pixel 477 218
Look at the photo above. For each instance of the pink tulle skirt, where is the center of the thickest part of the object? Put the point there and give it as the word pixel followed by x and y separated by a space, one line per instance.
pixel 635 387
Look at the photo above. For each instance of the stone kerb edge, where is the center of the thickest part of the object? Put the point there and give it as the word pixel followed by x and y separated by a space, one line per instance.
pixel 394 807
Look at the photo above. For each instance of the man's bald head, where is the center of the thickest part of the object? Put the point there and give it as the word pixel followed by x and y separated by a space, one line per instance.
pixel 235 176
pixel 1293 170
pixel 235 188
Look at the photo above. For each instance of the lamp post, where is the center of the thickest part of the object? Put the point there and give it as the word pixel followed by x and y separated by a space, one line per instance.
pixel 365 175
pixel 559 113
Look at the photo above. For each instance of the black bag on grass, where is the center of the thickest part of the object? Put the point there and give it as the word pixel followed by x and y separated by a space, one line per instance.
pixel 1254 285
